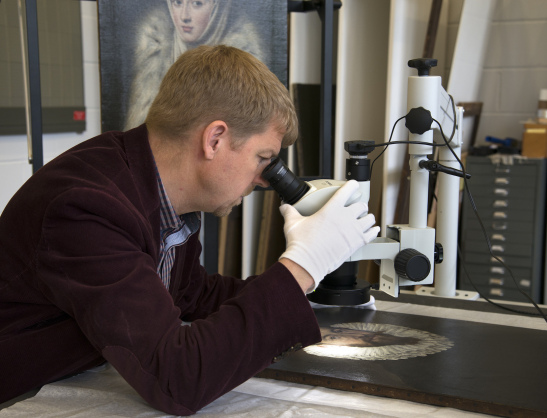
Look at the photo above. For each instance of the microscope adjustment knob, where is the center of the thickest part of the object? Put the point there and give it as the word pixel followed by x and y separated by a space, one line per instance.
pixel 439 253
pixel 423 65
pixel 418 120
pixel 412 265
pixel 359 147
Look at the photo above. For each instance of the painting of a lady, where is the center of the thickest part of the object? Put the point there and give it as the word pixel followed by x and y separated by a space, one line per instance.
pixel 176 26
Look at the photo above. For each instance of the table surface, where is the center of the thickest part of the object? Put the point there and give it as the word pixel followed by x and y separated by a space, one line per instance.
pixel 102 392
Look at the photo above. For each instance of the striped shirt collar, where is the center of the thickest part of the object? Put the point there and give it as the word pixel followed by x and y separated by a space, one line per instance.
pixel 174 231
pixel 169 220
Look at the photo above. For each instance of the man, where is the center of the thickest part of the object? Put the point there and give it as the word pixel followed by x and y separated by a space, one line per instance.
pixel 100 250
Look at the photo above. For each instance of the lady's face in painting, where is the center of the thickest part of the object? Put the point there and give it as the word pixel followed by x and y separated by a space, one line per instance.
pixel 191 17
pixel 361 338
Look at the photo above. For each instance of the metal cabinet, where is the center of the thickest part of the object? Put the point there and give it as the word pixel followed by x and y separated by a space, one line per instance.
pixel 509 195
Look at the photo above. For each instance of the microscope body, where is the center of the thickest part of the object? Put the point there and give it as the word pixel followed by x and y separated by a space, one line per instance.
pixel 322 190
pixel 406 253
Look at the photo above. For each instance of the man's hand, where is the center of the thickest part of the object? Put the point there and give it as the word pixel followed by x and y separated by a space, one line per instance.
pixel 320 243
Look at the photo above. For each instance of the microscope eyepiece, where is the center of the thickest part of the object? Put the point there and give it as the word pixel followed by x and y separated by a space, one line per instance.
pixel 289 187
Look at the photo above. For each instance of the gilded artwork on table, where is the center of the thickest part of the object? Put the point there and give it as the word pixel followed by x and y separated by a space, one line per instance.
pixel 366 341
pixel 439 361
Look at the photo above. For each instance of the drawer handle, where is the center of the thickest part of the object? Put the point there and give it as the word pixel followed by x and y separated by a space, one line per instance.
pixel 498 248
pixel 497 270
pixel 500 215
pixel 496 292
pixel 498 237
pixel 494 259
pixel 501 192
pixel 502 169
pixel 495 281
pixel 499 226
pixel 525 283
pixel 501 203
pixel 501 180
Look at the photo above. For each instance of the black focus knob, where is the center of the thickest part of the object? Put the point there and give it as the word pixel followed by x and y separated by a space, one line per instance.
pixel 359 147
pixel 439 253
pixel 412 265
pixel 423 65
pixel 418 120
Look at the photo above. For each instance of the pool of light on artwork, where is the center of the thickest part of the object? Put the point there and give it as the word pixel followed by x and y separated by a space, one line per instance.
pixel 365 341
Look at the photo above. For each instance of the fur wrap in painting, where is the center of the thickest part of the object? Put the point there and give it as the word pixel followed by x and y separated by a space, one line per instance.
pixel 158 46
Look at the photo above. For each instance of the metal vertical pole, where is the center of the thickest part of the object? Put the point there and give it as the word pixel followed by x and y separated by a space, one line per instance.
pixel 34 85
pixel 210 255
pixel 326 13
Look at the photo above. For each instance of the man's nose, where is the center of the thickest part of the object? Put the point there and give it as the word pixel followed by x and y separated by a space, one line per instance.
pixel 261 181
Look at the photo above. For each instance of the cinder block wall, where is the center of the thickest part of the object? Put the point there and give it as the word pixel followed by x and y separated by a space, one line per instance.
pixel 515 67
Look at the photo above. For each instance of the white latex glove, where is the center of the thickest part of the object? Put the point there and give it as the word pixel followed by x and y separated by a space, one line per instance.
pixel 320 243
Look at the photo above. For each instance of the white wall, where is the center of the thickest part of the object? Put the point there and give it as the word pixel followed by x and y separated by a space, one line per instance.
pixel 515 70
pixel 14 166
pixel 407 30
pixel 361 83
pixel 515 67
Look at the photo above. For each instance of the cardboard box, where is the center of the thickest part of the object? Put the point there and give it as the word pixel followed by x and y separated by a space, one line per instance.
pixel 534 140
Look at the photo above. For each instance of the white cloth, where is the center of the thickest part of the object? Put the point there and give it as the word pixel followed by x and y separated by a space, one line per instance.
pixel 102 393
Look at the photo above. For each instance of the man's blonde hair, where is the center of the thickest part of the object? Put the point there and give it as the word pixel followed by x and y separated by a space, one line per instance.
pixel 211 83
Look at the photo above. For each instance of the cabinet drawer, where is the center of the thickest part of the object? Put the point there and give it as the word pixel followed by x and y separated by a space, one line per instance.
pixel 483 167
pixel 491 214
pixel 508 226
pixel 501 282
pixel 498 192
pixel 503 249
pixel 500 203
pixel 496 237
pixel 496 292
pixel 496 270
pixel 487 259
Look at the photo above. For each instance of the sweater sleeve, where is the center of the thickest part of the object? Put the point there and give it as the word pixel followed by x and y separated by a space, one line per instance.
pixel 197 293
pixel 95 266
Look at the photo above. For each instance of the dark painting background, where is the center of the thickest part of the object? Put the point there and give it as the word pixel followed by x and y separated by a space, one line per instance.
pixel 492 369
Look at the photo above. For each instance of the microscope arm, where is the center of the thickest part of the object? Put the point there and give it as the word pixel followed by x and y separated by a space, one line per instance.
pixel 427 91
pixel 408 252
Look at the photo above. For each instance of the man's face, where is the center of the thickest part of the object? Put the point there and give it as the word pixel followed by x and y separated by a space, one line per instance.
pixel 191 17
pixel 237 172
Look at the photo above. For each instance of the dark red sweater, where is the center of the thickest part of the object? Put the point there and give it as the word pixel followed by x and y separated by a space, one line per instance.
pixel 79 246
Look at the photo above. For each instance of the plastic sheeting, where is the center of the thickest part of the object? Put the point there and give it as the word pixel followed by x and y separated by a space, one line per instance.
pixel 102 392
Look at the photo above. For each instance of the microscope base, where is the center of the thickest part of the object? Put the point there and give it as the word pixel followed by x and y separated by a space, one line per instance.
pixel 357 294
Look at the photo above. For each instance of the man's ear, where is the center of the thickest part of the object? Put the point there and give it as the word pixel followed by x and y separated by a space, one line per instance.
pixel 214 137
